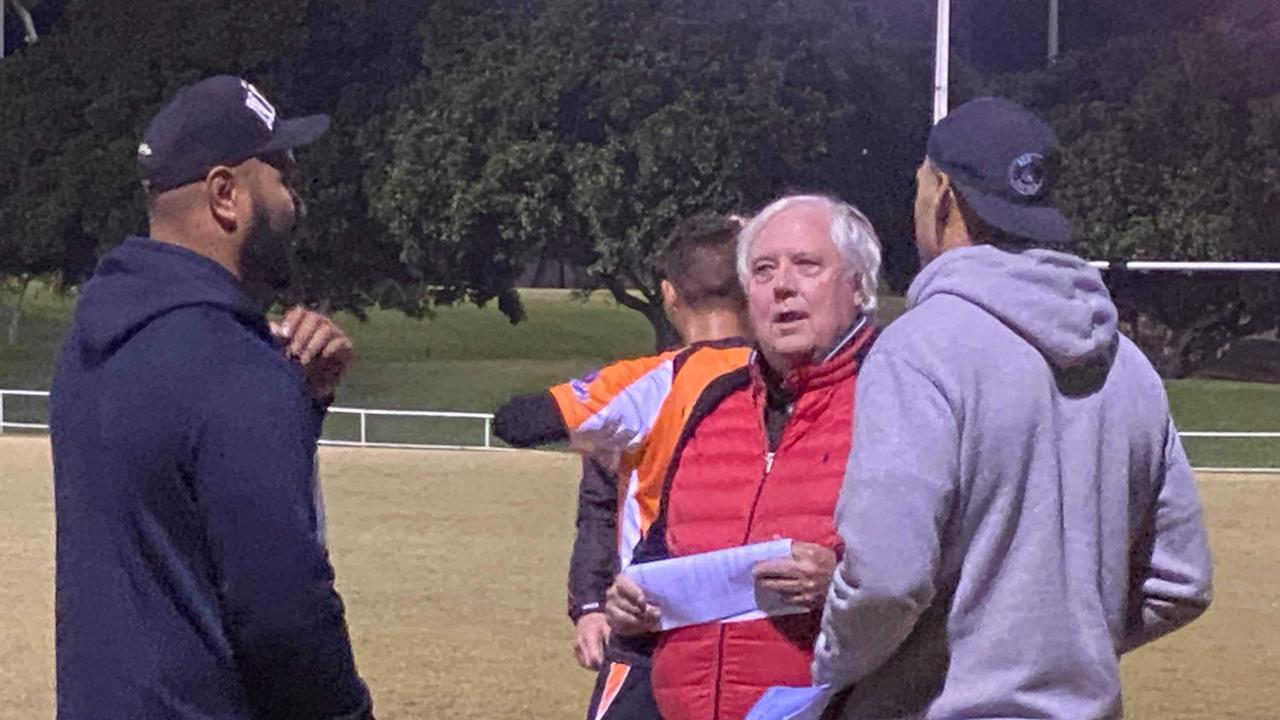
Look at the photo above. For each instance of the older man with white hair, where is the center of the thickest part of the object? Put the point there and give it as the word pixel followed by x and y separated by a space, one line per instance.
pixel 763 457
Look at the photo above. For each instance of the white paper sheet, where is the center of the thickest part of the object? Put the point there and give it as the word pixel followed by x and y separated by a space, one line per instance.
pixel 711 587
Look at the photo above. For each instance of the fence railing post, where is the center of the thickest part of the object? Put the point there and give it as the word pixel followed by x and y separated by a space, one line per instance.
pixel 490 443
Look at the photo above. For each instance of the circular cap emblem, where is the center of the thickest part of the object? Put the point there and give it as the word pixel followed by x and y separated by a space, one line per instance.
pixel 1027 174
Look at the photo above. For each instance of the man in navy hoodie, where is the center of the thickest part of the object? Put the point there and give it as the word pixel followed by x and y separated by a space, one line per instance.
pixel 192 576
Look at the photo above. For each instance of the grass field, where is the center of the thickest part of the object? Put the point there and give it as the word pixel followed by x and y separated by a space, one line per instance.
pixel 452 566
pixel 471 359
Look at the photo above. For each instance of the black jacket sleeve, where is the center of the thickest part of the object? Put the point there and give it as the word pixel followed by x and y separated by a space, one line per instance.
pixel 254 467
pixel 595 545
pixel 530 420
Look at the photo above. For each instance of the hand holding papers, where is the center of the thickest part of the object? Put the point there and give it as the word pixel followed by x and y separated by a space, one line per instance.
pixel 802 579
pixel 711 587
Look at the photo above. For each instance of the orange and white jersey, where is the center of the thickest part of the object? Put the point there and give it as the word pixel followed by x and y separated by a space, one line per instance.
pixel 630 415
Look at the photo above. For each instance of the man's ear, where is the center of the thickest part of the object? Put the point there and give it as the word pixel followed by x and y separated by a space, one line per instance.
pixel 946 200
pixel 670 296
pixel 223 190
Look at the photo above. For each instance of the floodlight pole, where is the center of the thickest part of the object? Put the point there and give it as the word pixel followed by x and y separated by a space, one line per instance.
pixel 942 62
pixel 28 25
pixel 1054 37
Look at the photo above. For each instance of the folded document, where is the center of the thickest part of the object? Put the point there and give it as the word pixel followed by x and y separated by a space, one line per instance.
pixel 712 587
pixel 791 703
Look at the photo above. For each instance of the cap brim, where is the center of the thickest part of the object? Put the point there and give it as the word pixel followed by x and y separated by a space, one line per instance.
pixel 1040 223
pixel 296 132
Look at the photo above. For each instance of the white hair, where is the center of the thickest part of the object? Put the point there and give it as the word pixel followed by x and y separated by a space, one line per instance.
pixel 854 237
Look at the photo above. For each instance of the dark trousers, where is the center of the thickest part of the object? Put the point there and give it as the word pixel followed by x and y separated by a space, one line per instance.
pixel 623 692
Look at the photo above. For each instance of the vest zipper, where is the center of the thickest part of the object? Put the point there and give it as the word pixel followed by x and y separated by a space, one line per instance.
pixel 751 517
pixel 768 468
pixel 719 671
pixel 769 456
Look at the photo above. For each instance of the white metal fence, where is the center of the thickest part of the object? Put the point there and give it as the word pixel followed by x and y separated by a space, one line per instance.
pixel 1189 266
pixel 4 423
pixel 364 415
pixel 1235 435
pixel 486 420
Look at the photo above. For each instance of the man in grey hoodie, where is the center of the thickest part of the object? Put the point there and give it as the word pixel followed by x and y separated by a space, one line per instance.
pixel 1018 510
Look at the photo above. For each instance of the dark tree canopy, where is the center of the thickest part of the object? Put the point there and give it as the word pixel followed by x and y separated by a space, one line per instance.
pixel 585 129
pixel 1171 143
pixel 473 140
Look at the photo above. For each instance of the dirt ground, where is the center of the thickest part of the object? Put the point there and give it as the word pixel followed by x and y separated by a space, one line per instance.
pixel 452 566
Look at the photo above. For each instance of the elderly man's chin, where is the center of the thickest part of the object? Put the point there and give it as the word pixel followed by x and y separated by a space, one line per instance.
pixel 790 345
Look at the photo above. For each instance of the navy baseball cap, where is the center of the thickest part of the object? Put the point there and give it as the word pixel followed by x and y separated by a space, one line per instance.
pixel 222 120
pixel 1000 158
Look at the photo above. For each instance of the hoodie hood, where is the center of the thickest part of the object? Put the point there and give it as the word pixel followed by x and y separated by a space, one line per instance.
pixel 142 279
pixel 1054 301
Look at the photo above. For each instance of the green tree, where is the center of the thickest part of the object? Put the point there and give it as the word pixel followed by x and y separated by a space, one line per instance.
pixel 353 64
pixel 584 129
pixel 76 102
pixel 1170 150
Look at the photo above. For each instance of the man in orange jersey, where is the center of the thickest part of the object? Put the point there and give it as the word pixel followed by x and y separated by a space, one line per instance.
pixel 625 419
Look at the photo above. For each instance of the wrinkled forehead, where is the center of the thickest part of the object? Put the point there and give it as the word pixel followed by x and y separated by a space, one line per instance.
pixel 804 227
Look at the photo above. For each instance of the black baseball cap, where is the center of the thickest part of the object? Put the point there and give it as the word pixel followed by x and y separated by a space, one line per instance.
pixel 222 120
pixel 1001 159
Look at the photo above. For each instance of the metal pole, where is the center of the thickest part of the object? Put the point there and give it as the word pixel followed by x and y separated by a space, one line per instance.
pixel 28 25
pixel 942 62
pixel 1054 19
pixel 1190 266
pixel 1 394
pixel 486 433
pixel 363 436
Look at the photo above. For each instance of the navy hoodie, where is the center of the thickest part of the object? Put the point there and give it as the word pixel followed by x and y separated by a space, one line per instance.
pixel 192 579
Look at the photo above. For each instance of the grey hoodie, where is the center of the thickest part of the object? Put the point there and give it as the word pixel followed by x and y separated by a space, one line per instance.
pixel 1018 509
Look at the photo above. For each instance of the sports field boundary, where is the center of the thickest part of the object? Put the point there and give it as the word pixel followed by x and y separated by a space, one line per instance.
pixel 487 443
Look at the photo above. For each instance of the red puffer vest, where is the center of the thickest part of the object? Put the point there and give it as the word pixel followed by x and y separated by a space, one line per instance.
pixel 724 490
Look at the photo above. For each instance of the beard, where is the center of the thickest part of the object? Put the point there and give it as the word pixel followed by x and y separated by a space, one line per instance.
pixel 267 257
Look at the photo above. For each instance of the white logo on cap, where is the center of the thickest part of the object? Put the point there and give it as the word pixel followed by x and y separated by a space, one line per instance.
pixel 255 101
pixel 144 150
pixel 1027 175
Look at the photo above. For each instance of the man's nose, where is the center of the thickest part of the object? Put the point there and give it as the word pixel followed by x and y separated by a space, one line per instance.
pixel 784 285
